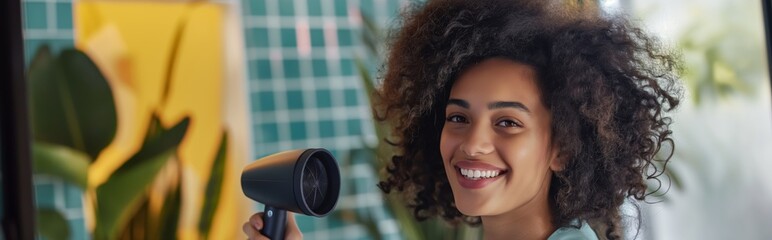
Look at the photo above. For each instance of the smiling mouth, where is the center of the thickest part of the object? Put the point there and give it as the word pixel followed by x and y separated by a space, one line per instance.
pixel 477 174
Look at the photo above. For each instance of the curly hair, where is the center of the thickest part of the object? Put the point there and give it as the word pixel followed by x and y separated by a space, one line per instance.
pixel 605 81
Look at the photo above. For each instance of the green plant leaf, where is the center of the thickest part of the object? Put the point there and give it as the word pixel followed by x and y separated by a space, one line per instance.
pixel 41 59
pixel 120 196
pixel 138 225
pixel 170 212
pixel 372 36
pixel 171 64
pixel 383 151
pixel 213 188
pixel 63 162
pixel 364 74
pixel 407 223
pixel 371 224
pixel 52 225
pixel 469 232
pixel 71 103
pixel 675 178
pixel 157 140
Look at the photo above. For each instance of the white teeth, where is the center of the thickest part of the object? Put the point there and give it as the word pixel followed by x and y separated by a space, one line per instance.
pixel 479 174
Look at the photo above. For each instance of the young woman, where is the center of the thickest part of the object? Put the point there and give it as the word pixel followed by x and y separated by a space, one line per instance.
pixel 536 120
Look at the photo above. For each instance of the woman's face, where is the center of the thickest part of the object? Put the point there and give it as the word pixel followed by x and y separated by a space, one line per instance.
pixel 495 143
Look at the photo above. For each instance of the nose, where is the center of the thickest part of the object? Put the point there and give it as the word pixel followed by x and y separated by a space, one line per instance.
pixel 478 142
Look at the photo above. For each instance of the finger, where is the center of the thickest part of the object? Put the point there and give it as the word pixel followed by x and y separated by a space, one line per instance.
pixel 252 233
pixel 293 231
pixel 256 220
pixel 291 218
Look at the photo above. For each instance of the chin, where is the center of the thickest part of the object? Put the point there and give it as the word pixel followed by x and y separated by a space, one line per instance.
pixel 471 206
pixel 466 210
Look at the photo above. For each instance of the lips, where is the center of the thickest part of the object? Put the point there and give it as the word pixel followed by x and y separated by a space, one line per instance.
pixel 477 174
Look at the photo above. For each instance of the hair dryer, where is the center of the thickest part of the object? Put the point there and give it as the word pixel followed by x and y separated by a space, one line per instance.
pixel 304 181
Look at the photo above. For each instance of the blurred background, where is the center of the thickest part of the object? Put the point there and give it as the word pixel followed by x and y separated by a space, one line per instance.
pixel 144 113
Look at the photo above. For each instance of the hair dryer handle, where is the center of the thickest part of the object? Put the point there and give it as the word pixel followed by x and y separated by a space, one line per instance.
pixel 274 223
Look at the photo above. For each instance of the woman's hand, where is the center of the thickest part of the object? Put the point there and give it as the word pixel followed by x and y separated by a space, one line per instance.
pixel 255 224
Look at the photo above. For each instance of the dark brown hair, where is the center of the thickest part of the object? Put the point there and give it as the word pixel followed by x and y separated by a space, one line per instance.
pixel 605 81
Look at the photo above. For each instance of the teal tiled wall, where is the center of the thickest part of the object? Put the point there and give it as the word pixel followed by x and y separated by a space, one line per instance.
pixel 46 22
pixel 305 91
pixel 49 22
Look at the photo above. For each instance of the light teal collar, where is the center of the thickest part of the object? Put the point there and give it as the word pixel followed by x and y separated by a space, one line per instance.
pixel 584 232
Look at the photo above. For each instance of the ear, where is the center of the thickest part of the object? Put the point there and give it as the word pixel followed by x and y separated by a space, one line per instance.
pixel 558 159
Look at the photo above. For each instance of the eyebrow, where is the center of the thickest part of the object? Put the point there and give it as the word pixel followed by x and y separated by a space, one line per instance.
pixel 459 102
pixel 494 105
pixel 517 105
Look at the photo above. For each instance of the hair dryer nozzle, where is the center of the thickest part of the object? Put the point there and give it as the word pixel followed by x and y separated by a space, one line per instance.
pixel 305 181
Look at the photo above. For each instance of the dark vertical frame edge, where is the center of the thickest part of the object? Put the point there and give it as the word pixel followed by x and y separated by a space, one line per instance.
pixel 18 218
pixel 765 7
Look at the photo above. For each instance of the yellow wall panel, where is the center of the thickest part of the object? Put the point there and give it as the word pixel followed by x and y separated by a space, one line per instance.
pixel 132 43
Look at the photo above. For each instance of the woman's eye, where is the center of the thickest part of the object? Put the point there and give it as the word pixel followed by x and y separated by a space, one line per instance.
pixel 508 123
pixel 456 118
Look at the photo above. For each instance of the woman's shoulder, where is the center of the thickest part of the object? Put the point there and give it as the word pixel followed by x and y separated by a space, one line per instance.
pixel 584 232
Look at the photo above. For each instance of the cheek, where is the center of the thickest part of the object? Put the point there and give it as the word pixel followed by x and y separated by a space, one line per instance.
pixel 447 146
pixel 522 150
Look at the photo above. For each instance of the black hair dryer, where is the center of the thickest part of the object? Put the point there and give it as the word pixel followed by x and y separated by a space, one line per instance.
pixel 304 181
